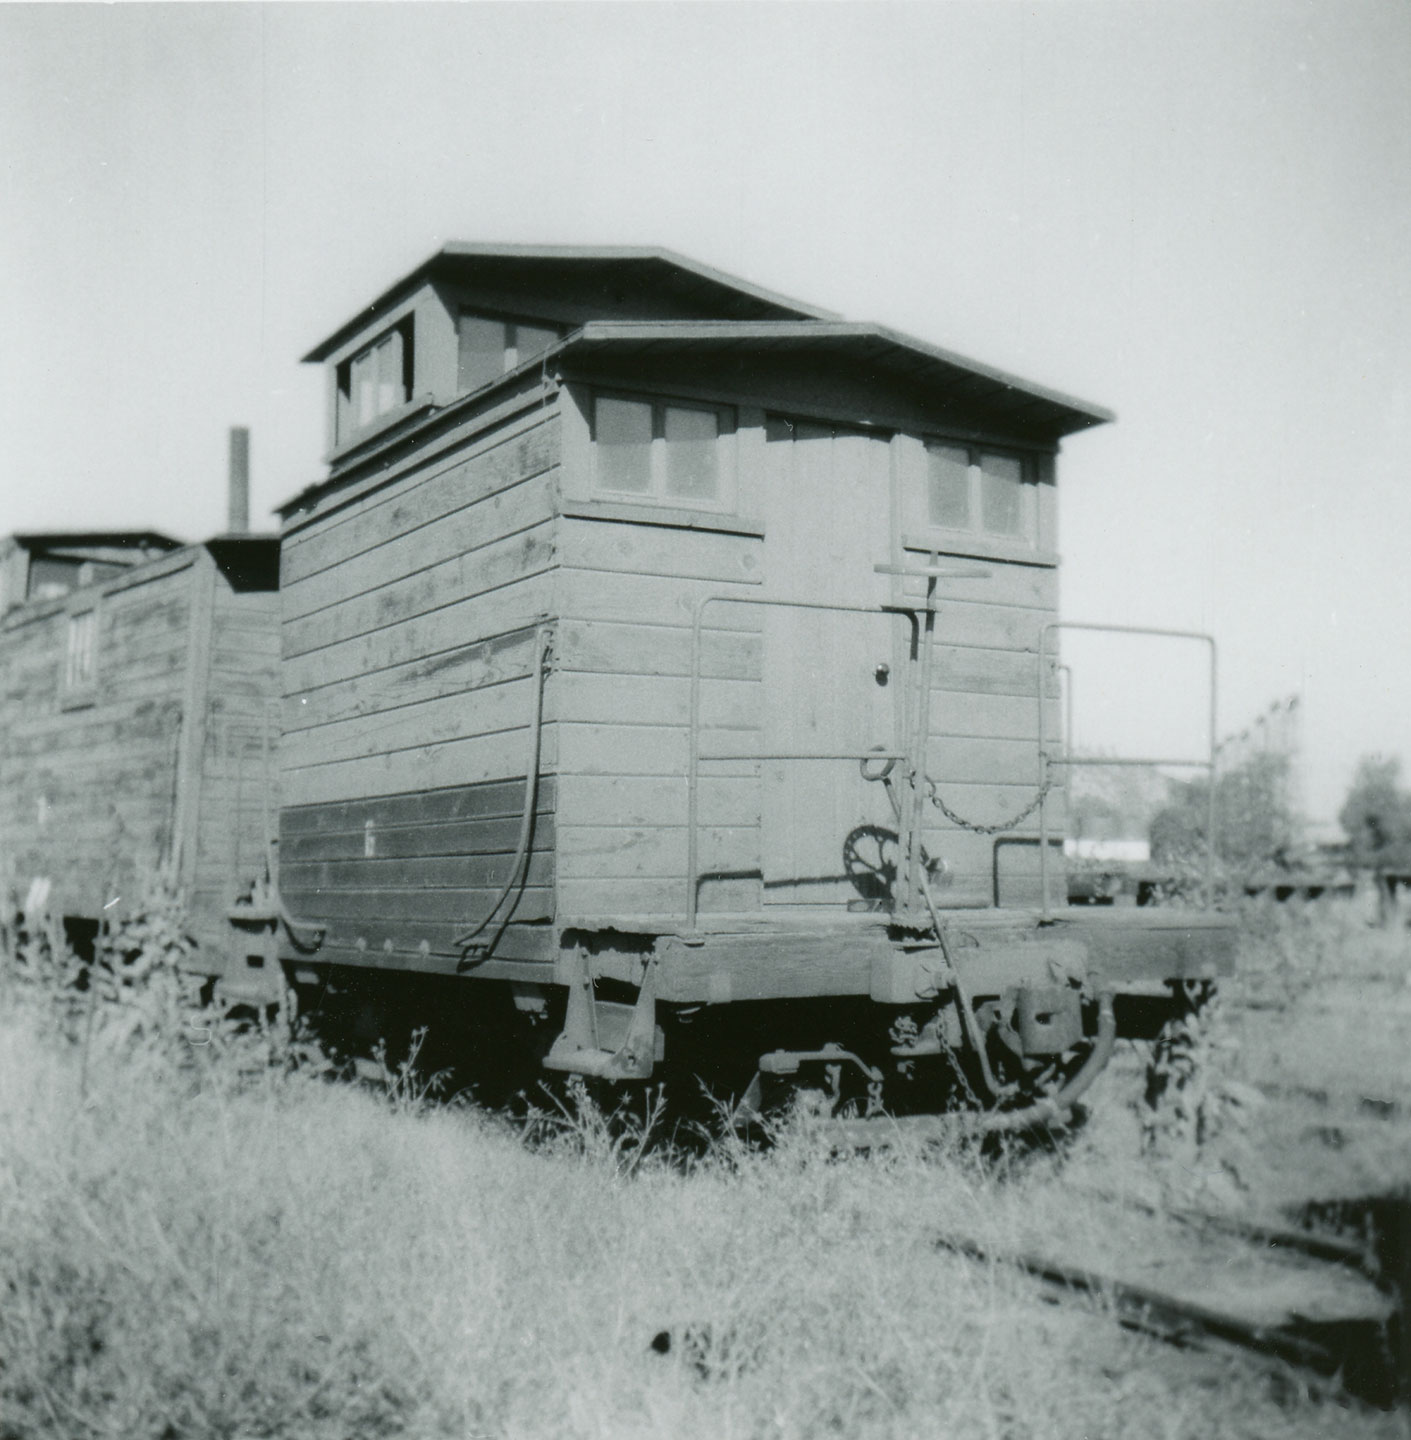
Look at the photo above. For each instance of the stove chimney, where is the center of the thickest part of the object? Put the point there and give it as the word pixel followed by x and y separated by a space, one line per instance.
pixel 239 490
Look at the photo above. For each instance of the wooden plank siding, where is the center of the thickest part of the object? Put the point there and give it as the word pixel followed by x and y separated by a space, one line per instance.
pixel 87 782
pixel 409 637
pixel 95 789
pixel 417 869
pixel 239 787
pixel 416 497
pixel 412 598
pixel 627 596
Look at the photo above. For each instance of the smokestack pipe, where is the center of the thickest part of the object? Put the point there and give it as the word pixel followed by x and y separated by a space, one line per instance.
pixel 239 492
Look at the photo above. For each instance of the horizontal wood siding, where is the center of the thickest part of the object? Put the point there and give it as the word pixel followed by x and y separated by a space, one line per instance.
pixel 87 793
pixel 418 499
pixel 628 594
pixel 409 638
pixel 400 876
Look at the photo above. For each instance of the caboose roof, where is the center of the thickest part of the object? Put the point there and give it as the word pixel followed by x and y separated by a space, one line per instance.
pixel 588 270
pixel 961 384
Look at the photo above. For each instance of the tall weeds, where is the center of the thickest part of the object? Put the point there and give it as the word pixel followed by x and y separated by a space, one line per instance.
pixel 204 1239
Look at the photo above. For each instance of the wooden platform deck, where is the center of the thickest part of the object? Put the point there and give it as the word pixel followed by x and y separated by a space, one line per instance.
pixel 789 952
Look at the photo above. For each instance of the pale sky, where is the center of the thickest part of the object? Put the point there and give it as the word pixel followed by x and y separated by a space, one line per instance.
pixel 1196 215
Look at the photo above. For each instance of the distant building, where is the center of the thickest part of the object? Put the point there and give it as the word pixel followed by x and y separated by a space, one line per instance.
pixel 1136 852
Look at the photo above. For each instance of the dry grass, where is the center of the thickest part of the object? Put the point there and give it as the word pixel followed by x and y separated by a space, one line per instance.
pixel 188 1253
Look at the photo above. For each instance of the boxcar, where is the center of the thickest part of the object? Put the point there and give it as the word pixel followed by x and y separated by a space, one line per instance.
pixel 662 649
pixel 135 721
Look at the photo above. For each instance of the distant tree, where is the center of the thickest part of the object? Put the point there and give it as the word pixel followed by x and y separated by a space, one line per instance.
pixel 1376 817
pixel 1177 832
pixel 1113 803
pixel 1254 824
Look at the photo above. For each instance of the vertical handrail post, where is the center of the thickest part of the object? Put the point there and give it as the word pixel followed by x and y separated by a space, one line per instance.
pixel 1210 788
pixel 1065 690
pixel 693 760
pixel 909 820
pixel 1045 905
pixel 1068 759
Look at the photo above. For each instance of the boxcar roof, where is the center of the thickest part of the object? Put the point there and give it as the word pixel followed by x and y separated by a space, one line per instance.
pixel 94 539
pixel 634 269
pixel 1020 404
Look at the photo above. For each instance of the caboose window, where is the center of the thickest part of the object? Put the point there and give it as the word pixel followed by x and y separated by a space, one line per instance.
pixel 491 346
pixel 1002 494
pixel 667 451
pixel 375 381
pixel 689 438
pixel 80 650
pixel 948 486
pixel 978 490
pixel 624 435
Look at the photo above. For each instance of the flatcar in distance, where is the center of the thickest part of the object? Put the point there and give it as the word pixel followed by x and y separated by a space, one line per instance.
pixel 670 657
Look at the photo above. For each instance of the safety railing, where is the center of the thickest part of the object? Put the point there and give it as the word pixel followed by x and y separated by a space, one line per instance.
pixel 1069 759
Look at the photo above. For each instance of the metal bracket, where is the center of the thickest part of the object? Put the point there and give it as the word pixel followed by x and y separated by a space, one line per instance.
pixel 787 1062
pixel 608 1038
pixel 931 572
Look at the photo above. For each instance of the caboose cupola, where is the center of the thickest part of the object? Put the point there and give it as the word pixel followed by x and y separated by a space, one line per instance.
pixel 472 314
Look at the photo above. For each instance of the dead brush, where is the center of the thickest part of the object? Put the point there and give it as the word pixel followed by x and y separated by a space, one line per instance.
pixel 407 1087
pixel 619 1140
pixel 37 963
pixel 1286 949
pixel 291 1260
pixel 134 1001
pixel 1194 1109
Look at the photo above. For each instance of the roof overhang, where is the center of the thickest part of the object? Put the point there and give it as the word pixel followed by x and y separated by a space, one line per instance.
pixel 971 393
pixel 629 269
pixel 90 539
pixel 959 384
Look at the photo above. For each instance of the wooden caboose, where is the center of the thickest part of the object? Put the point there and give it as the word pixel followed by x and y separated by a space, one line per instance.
pixel 136 729
pixel 621 571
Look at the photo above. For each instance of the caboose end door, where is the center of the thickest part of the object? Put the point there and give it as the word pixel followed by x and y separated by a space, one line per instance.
pixel 831 678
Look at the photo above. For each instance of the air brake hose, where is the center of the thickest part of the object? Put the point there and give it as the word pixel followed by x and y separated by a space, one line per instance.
pixel 866 1133
pixel 1055 1106
pixel 526 821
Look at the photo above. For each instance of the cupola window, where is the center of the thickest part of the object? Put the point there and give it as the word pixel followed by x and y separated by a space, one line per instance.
pixel 375 381
pixel 490 346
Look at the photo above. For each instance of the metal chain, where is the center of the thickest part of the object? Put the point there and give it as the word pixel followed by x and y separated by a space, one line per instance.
pixel 933 791
pixel 1040 795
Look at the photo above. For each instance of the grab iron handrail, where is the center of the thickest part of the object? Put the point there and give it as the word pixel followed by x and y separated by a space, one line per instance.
pixel 693 878
pixel 913 752
pixel 1068 759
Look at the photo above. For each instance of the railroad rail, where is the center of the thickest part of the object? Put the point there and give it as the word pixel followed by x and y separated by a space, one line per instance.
pixel 1354 1346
